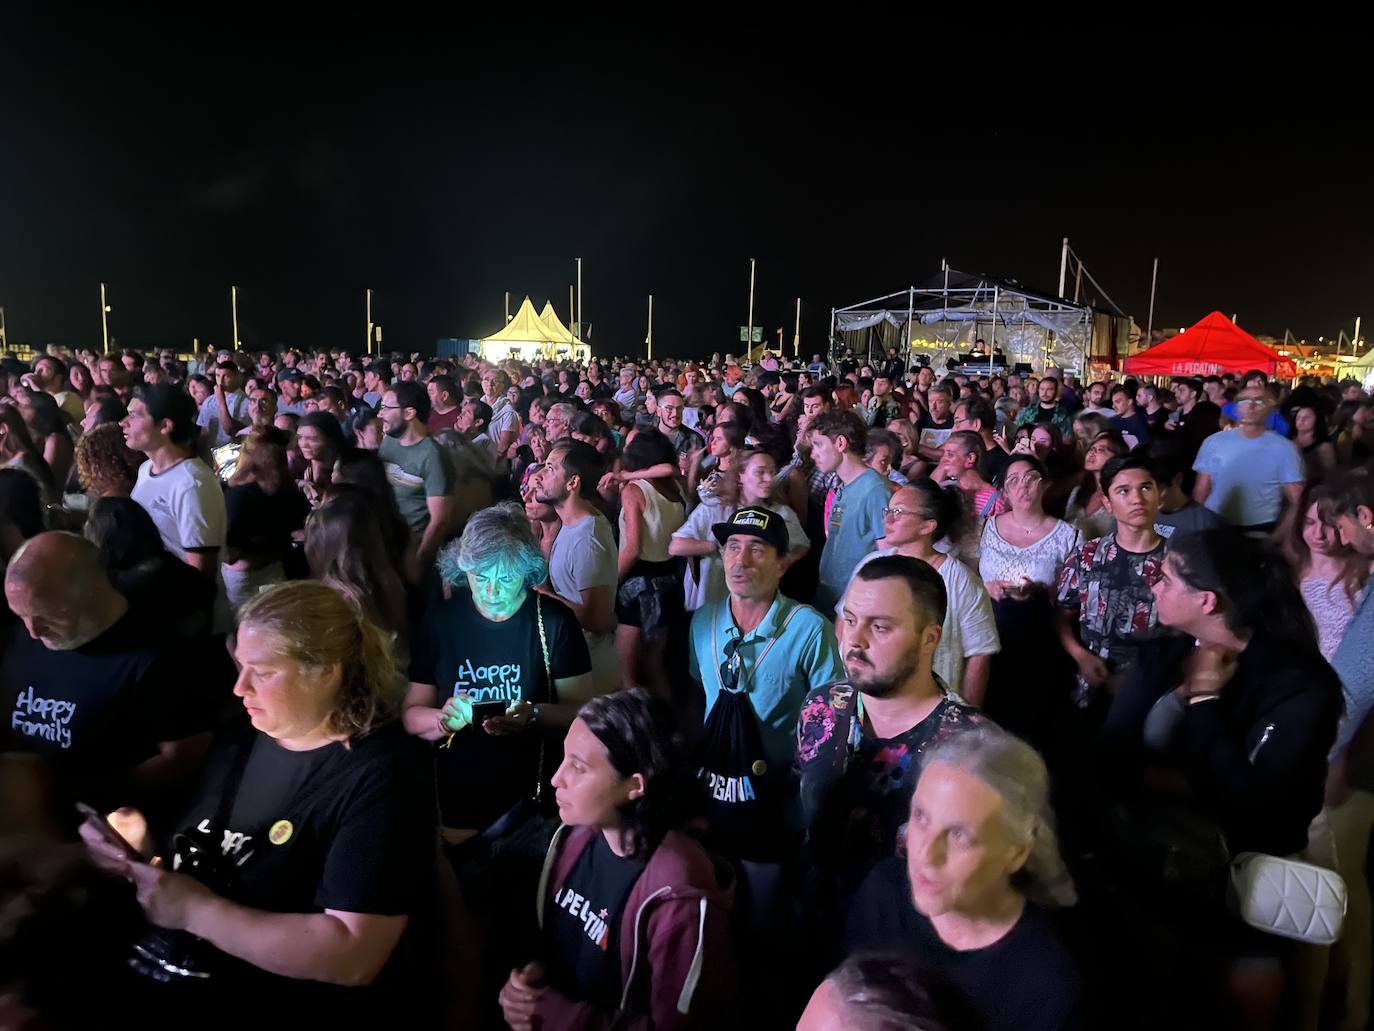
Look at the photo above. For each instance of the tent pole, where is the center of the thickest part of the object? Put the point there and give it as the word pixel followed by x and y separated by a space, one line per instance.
pixel 1063 266
pixel 650 338
pixel 910 314
pixel 577 325
pixel 832 335
pixel 796 333
pixel 1150 325
pixel 992 345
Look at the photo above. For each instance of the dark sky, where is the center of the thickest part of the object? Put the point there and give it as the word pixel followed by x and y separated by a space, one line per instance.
pixel 443 168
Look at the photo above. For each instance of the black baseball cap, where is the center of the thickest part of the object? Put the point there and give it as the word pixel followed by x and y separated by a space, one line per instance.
pixel 763 523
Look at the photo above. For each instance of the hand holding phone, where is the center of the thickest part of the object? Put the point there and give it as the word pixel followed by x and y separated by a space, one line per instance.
pixel 111 837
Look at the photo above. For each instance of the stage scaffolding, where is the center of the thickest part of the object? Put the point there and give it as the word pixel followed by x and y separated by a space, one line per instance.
pixel 947 317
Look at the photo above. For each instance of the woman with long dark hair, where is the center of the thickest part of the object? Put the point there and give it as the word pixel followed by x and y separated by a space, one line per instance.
pixel 361 467
pixel 264 509
pixel 1216 744
pixel 18 451
pixel 346 548
pixel 1086 508
pixel 1019 560
pixel 48 427
pixel 634 914
pixel 1330 575
pixel 1309 431
pixel 650 593
pixel 320 440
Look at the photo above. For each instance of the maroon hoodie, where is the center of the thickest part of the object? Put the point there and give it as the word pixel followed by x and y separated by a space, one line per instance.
pixel 677 962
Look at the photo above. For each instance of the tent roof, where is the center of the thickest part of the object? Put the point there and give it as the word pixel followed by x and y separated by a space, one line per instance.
pixel 550 319
pixel 526 327
pixel 1211 347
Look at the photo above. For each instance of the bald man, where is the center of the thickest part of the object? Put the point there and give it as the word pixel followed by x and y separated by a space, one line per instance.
pixel 112 703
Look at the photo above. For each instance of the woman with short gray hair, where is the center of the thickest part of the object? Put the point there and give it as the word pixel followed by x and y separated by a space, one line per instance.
pixel 489 665
pixel 970 898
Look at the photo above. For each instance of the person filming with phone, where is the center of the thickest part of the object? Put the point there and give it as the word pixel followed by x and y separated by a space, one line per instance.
pixel 292 879
pixel 487 668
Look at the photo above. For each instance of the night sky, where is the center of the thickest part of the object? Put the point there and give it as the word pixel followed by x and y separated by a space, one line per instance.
pixel 443 168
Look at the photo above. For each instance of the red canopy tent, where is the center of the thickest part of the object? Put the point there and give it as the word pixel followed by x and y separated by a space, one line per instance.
pixel 1213 346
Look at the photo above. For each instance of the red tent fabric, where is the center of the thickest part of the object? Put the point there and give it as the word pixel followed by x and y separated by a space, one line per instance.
pixel 1213 346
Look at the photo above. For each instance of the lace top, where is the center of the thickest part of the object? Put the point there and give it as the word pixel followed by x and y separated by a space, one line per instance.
pixel 1331 610
pixel 1040 562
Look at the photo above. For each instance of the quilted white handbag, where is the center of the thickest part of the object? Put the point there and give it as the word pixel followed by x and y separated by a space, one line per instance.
pixel 1288 897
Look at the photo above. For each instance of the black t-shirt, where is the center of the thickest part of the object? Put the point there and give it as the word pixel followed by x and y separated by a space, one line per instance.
pixel 261 524
pixel 104 707
pixel 1027 981
pixel 167 593
pixel 457 649
pixel 1136 424
pixel 348 828
pixel 995 464
pixel 583 925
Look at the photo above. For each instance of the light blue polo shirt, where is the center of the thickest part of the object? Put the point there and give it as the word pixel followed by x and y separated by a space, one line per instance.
pixel 804 658
pixel 1248 474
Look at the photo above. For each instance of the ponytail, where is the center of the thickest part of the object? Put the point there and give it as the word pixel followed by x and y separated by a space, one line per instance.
pixel 945 506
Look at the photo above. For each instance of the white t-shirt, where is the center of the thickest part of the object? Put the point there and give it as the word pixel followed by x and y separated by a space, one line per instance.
pixel 187 506
pixel 186 503
pixel 969 628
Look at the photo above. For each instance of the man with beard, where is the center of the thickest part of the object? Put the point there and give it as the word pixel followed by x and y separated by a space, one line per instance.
pixel 860 740
pixel 582 562
pixel 417 468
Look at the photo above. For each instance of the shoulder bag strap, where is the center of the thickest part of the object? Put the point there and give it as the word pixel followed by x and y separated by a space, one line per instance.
pixel 553 691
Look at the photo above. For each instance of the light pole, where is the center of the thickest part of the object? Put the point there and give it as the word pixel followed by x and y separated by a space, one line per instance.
pixel 749 343
pixel 4 338
pixel 104 319
pixel 234 309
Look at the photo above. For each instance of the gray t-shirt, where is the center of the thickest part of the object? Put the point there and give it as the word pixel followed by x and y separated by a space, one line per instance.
pixel 416 472
pixel 583 557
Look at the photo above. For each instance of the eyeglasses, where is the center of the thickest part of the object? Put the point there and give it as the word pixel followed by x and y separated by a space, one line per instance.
pixel 1030 480
pixel 1098 449
pixel 729 669
pixel 388 408
pixel 896 512
pixel 1251 402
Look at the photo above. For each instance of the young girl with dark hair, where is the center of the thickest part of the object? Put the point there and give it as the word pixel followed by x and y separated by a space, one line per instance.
pixel 634 915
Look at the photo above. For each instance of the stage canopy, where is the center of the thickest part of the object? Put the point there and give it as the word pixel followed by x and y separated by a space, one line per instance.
pixel 1213 346
pixel 528 336
pixel 947 316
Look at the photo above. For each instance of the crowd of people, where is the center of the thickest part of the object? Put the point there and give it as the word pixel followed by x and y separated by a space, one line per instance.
pixel 669 694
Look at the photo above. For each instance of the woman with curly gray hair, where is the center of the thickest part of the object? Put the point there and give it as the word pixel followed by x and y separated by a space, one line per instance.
pixel 970 898
pixel 488 667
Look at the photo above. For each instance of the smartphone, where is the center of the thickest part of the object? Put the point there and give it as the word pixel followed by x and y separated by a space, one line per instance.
pixel 483 711
pixel 112 836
